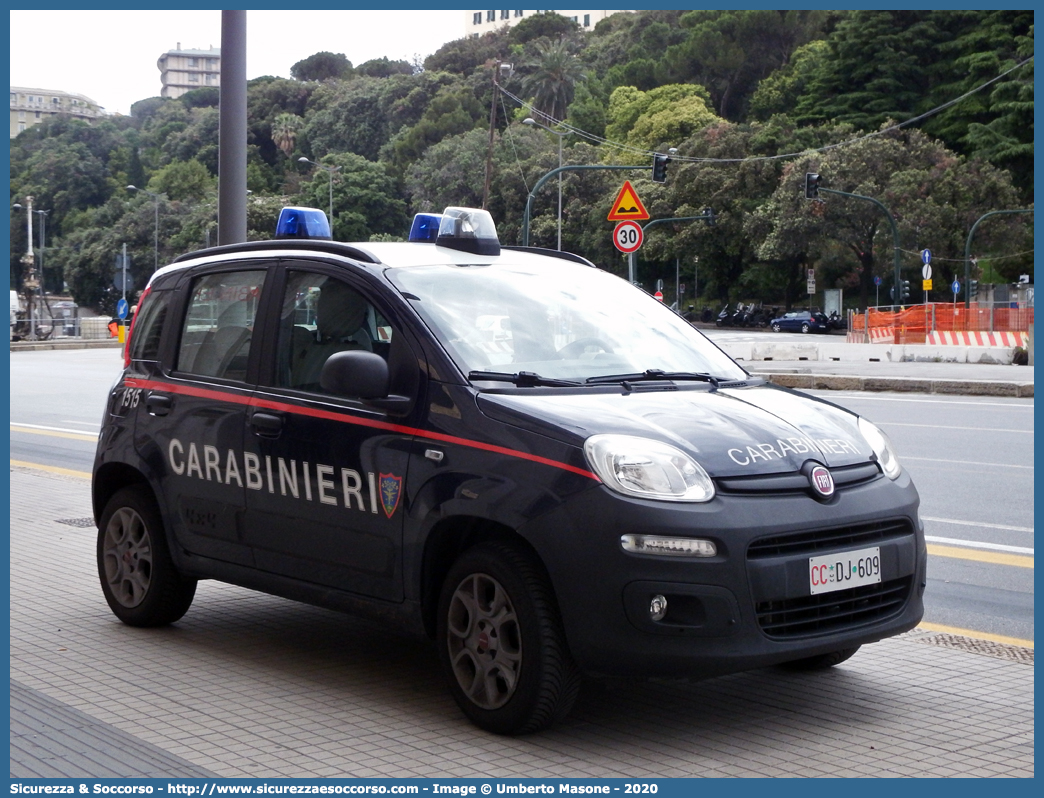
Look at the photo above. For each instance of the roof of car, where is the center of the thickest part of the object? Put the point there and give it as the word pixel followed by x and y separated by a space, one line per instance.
pixel 387 253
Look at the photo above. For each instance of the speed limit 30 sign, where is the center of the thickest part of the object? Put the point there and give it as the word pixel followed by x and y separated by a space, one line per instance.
pixel 627 236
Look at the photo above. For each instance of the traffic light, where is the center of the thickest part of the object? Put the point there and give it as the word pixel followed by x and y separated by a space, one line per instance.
pixel 904 290
pixel 811 185
pixel 711 218
pixel 973 289
pixel 660 162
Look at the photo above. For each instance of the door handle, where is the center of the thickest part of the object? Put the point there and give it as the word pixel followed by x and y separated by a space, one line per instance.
pixel 268 425
pixel 158 404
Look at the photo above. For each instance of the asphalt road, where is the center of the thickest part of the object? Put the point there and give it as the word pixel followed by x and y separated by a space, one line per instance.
pixel 971 459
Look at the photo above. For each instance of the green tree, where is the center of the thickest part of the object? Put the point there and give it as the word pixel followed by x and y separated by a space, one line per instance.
pixel 464 56
pixel 556 71
pixel 366 199
pixel 647 119
pixel 934 194
pixel 284 132
pixel 453 110
pixel 778 93
pixel 729 52
pixel 363 115
pixel 383 68
pixel 322 66
pixel 182 180
pixel 545 25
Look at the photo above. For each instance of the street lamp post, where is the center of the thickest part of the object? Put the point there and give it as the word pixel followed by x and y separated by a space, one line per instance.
pixel 43 238
pixel 561 135
pixel 30 281
pixel 155 233
pixel 330 171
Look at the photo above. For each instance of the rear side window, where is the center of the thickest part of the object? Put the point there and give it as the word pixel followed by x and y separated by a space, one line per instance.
pixel 148 327
pixel 219 324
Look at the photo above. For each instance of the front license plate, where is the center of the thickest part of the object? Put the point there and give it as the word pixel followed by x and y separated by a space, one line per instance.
pixel 844 570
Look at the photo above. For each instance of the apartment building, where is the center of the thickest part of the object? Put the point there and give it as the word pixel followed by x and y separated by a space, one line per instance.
pixel 182 71
pixel 478 22
pixel 32 106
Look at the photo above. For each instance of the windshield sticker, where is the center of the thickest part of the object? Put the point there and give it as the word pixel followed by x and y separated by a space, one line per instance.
pixel 778 450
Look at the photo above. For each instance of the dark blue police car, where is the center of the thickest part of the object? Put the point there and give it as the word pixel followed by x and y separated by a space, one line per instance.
pixel 584 485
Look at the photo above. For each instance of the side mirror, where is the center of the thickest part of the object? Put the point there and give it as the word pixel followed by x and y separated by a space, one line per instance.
pixel 363 375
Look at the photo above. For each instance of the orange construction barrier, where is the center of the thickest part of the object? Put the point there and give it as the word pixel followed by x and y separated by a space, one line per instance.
pixel 943 322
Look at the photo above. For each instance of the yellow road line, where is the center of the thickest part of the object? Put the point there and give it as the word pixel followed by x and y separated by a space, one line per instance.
pixel 52 469
pixel 996 557
pixel 953 630
pixel 55 434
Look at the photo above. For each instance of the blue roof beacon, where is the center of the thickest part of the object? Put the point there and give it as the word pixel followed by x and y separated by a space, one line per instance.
pixel 310 223
pixel 425 228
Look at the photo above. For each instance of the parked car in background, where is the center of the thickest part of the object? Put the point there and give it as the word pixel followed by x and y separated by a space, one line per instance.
pixel 801 321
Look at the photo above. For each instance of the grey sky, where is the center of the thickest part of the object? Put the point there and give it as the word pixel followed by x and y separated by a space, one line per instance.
pixel 110 56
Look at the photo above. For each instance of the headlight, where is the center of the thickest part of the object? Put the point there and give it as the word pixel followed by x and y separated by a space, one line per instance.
pixel 648 469
pixel 882 448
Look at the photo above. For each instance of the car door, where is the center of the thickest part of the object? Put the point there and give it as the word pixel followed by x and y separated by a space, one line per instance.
pixel 327 504
pixel 193 410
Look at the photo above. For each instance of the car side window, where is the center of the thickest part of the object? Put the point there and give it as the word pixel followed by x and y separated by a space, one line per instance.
pixel 321 316
pixel 148 326
pixel 219 324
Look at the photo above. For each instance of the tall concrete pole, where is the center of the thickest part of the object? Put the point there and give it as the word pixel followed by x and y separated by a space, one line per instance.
pixel 232 135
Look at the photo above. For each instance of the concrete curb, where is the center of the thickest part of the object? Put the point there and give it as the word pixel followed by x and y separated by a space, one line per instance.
pixel 812 350
pixel 838 382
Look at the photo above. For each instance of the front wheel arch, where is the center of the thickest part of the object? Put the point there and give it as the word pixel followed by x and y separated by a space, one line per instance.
pixel 446 541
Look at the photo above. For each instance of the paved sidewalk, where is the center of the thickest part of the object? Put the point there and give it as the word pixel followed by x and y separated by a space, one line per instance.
pixel 251 685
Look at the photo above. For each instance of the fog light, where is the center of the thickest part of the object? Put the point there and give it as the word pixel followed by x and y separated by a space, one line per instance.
pixel 658 608
pixel 679 547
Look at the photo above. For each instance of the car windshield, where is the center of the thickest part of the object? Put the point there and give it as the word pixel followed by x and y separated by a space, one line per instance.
pixel 557 319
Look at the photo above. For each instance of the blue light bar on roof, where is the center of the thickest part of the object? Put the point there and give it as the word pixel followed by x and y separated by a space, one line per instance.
pixel 425 227
pixel 303 223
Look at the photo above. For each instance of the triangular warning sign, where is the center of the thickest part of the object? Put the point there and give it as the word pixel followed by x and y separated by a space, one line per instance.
pixel 627 205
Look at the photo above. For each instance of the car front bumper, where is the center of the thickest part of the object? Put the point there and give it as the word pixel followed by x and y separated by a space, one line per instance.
pixel 751 604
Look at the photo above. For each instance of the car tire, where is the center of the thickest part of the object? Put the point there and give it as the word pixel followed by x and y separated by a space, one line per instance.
pixel 501 641
pixel 805 327
pixel 821 661
pixel 138 576
pixel 775 328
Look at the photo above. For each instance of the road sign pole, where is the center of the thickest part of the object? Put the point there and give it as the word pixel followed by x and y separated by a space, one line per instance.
pixel 632 267
pixel 123 262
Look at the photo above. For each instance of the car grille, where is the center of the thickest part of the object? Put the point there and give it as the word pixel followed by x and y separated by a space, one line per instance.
pixel 776 484
pixel 828 612
pixel 801 543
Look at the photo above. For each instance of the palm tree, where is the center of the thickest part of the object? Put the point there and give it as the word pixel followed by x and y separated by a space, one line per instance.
pixel 557 73
pixel 284 132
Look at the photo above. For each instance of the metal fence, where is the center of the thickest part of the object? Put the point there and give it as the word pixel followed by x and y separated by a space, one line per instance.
pixel 48 327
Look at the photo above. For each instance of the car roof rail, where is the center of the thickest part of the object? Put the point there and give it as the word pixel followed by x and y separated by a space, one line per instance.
pixel 552 253
pixel 310 245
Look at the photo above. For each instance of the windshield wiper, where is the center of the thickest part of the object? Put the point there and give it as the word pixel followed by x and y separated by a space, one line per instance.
pixel 653 374
pixel 523 379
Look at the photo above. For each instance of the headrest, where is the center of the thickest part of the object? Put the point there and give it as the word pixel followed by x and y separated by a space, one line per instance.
pixel 340 311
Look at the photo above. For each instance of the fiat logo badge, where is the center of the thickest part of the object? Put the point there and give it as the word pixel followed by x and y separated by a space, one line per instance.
pixel 821 481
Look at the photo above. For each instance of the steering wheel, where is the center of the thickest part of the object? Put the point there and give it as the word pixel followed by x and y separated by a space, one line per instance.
pixel 579 346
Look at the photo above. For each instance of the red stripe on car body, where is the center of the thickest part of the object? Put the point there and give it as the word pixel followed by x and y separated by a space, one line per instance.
pixel 269 404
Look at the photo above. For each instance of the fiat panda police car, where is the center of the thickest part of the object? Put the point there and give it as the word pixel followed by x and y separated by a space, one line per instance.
pixel 589 486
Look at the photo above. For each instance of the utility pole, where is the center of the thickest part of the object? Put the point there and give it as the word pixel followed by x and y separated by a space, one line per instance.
pixel 492 128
